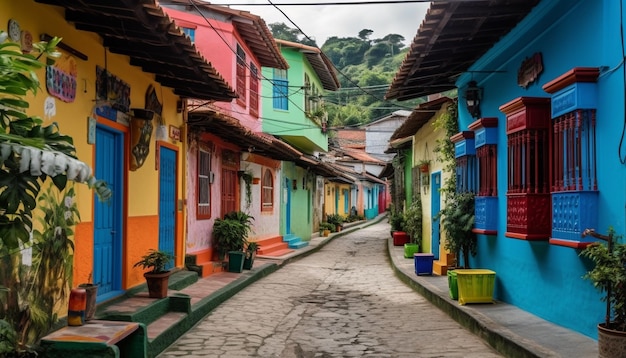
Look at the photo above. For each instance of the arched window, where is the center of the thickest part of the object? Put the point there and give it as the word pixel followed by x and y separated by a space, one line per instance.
pixel 267 202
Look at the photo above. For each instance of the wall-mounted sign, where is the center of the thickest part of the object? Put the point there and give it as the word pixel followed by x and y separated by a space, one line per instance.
pixel 529 70
pixel 113 91
pixel 174 133
pixel 61 79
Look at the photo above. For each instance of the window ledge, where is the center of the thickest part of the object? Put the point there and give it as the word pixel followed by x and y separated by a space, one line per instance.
pixel 527 237
pixel 485 232
pixel 575 244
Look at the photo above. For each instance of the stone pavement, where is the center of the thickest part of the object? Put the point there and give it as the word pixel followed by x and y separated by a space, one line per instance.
pixel 343 301
pixel 511 331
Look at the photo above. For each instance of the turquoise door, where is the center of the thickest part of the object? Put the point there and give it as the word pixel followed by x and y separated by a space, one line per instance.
pixel 108 232
pixel 288 207
pixel 435 205
pixel 167 201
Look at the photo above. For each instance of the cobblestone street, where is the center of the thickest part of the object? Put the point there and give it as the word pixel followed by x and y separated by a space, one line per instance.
pixel 343 301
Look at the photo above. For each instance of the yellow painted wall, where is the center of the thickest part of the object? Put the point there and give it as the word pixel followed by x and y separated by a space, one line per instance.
pixel 141 223
pixel 333 194
pixel 424 142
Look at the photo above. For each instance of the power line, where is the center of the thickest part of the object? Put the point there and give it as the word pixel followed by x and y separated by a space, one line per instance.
pixel 335 67
pixel 259 73
pixel 381 2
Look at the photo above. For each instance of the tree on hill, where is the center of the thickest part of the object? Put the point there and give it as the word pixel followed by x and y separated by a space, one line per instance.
pixel 365 34
pixel 365 68
pixel 283 32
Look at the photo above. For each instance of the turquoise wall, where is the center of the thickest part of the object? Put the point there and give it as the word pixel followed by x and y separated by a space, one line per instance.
pixel 292 121
pixel 538 277
pixel 301 203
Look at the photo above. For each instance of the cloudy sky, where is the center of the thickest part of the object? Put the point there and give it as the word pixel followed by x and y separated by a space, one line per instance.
pixel 322 21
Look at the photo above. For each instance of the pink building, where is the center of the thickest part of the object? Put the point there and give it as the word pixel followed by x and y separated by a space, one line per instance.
pixel 225 139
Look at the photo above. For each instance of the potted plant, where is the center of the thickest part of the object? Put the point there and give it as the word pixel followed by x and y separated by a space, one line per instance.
pixel 336 220
pixel 413 227
pixel 325 228
pixel 609 276
pixel 458 220
pixel 250 252
pixel 157 277
pixel 396 221
pixel 231 235
pixel 423 165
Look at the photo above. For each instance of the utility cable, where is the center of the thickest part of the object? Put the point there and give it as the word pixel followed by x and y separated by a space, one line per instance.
pixel 335 67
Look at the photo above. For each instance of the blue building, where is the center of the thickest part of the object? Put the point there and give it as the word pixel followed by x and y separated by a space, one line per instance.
pixel 542 102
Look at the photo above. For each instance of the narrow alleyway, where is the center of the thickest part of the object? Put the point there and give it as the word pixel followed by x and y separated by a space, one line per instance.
pixel 343 301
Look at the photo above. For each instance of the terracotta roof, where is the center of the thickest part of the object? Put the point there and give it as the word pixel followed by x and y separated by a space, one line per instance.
pixel 231 130
pixel 252 29
pixel 453 35
pixel 141 30
pixel 360 155
pixel 320 63
pixel 350 138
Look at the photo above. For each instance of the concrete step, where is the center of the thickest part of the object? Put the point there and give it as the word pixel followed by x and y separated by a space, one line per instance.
pixel 278 253
pixel 202 263
pixel 269 245
pixel 298 245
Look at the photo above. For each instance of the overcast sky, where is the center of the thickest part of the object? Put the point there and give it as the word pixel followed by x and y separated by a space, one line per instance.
pixel 322 21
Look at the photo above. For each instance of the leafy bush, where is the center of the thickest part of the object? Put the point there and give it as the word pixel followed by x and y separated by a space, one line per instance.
pixel 413 221
pixel 396 220
pixel 335 219
pixel 231 232
pixel 458 220
pixel 609 275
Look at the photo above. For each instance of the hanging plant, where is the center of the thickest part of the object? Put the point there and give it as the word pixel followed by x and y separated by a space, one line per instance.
pixel 247 178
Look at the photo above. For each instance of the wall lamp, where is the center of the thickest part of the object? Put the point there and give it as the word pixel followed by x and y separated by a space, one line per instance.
pixel 473 96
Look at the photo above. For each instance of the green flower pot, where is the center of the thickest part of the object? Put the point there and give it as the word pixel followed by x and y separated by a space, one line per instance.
pixel 235 261
pixel 410 249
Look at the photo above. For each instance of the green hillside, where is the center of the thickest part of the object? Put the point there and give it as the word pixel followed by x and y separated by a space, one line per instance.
pixel 365 68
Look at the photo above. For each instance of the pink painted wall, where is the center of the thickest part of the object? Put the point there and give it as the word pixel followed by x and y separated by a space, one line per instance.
pixel 218 44
pixel 199 231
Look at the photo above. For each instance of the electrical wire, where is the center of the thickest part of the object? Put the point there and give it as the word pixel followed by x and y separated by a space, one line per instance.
pixel 622 159
pixel 335 67
pixel 375 2
pixel 259 73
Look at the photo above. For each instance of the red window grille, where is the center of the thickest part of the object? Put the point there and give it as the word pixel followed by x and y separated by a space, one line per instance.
pixel 528 140
pixel 487 170
pixel 574 154
pixel 574 184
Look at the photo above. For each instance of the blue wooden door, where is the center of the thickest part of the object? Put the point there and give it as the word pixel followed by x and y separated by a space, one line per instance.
pixel 288 207
pixel 435 205
pixel 167 201
pixel 108 232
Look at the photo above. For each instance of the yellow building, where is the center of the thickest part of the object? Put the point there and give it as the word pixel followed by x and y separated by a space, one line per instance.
pixel 426 182
pixel 119 90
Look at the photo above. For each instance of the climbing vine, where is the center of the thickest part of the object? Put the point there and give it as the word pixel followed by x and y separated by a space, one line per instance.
pixel 457 216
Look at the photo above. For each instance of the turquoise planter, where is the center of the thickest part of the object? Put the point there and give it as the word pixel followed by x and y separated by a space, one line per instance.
pixel 410 250
pixel 235 261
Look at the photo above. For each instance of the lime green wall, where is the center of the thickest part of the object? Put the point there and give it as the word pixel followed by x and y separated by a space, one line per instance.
pixel 408 176
pixel 292 124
